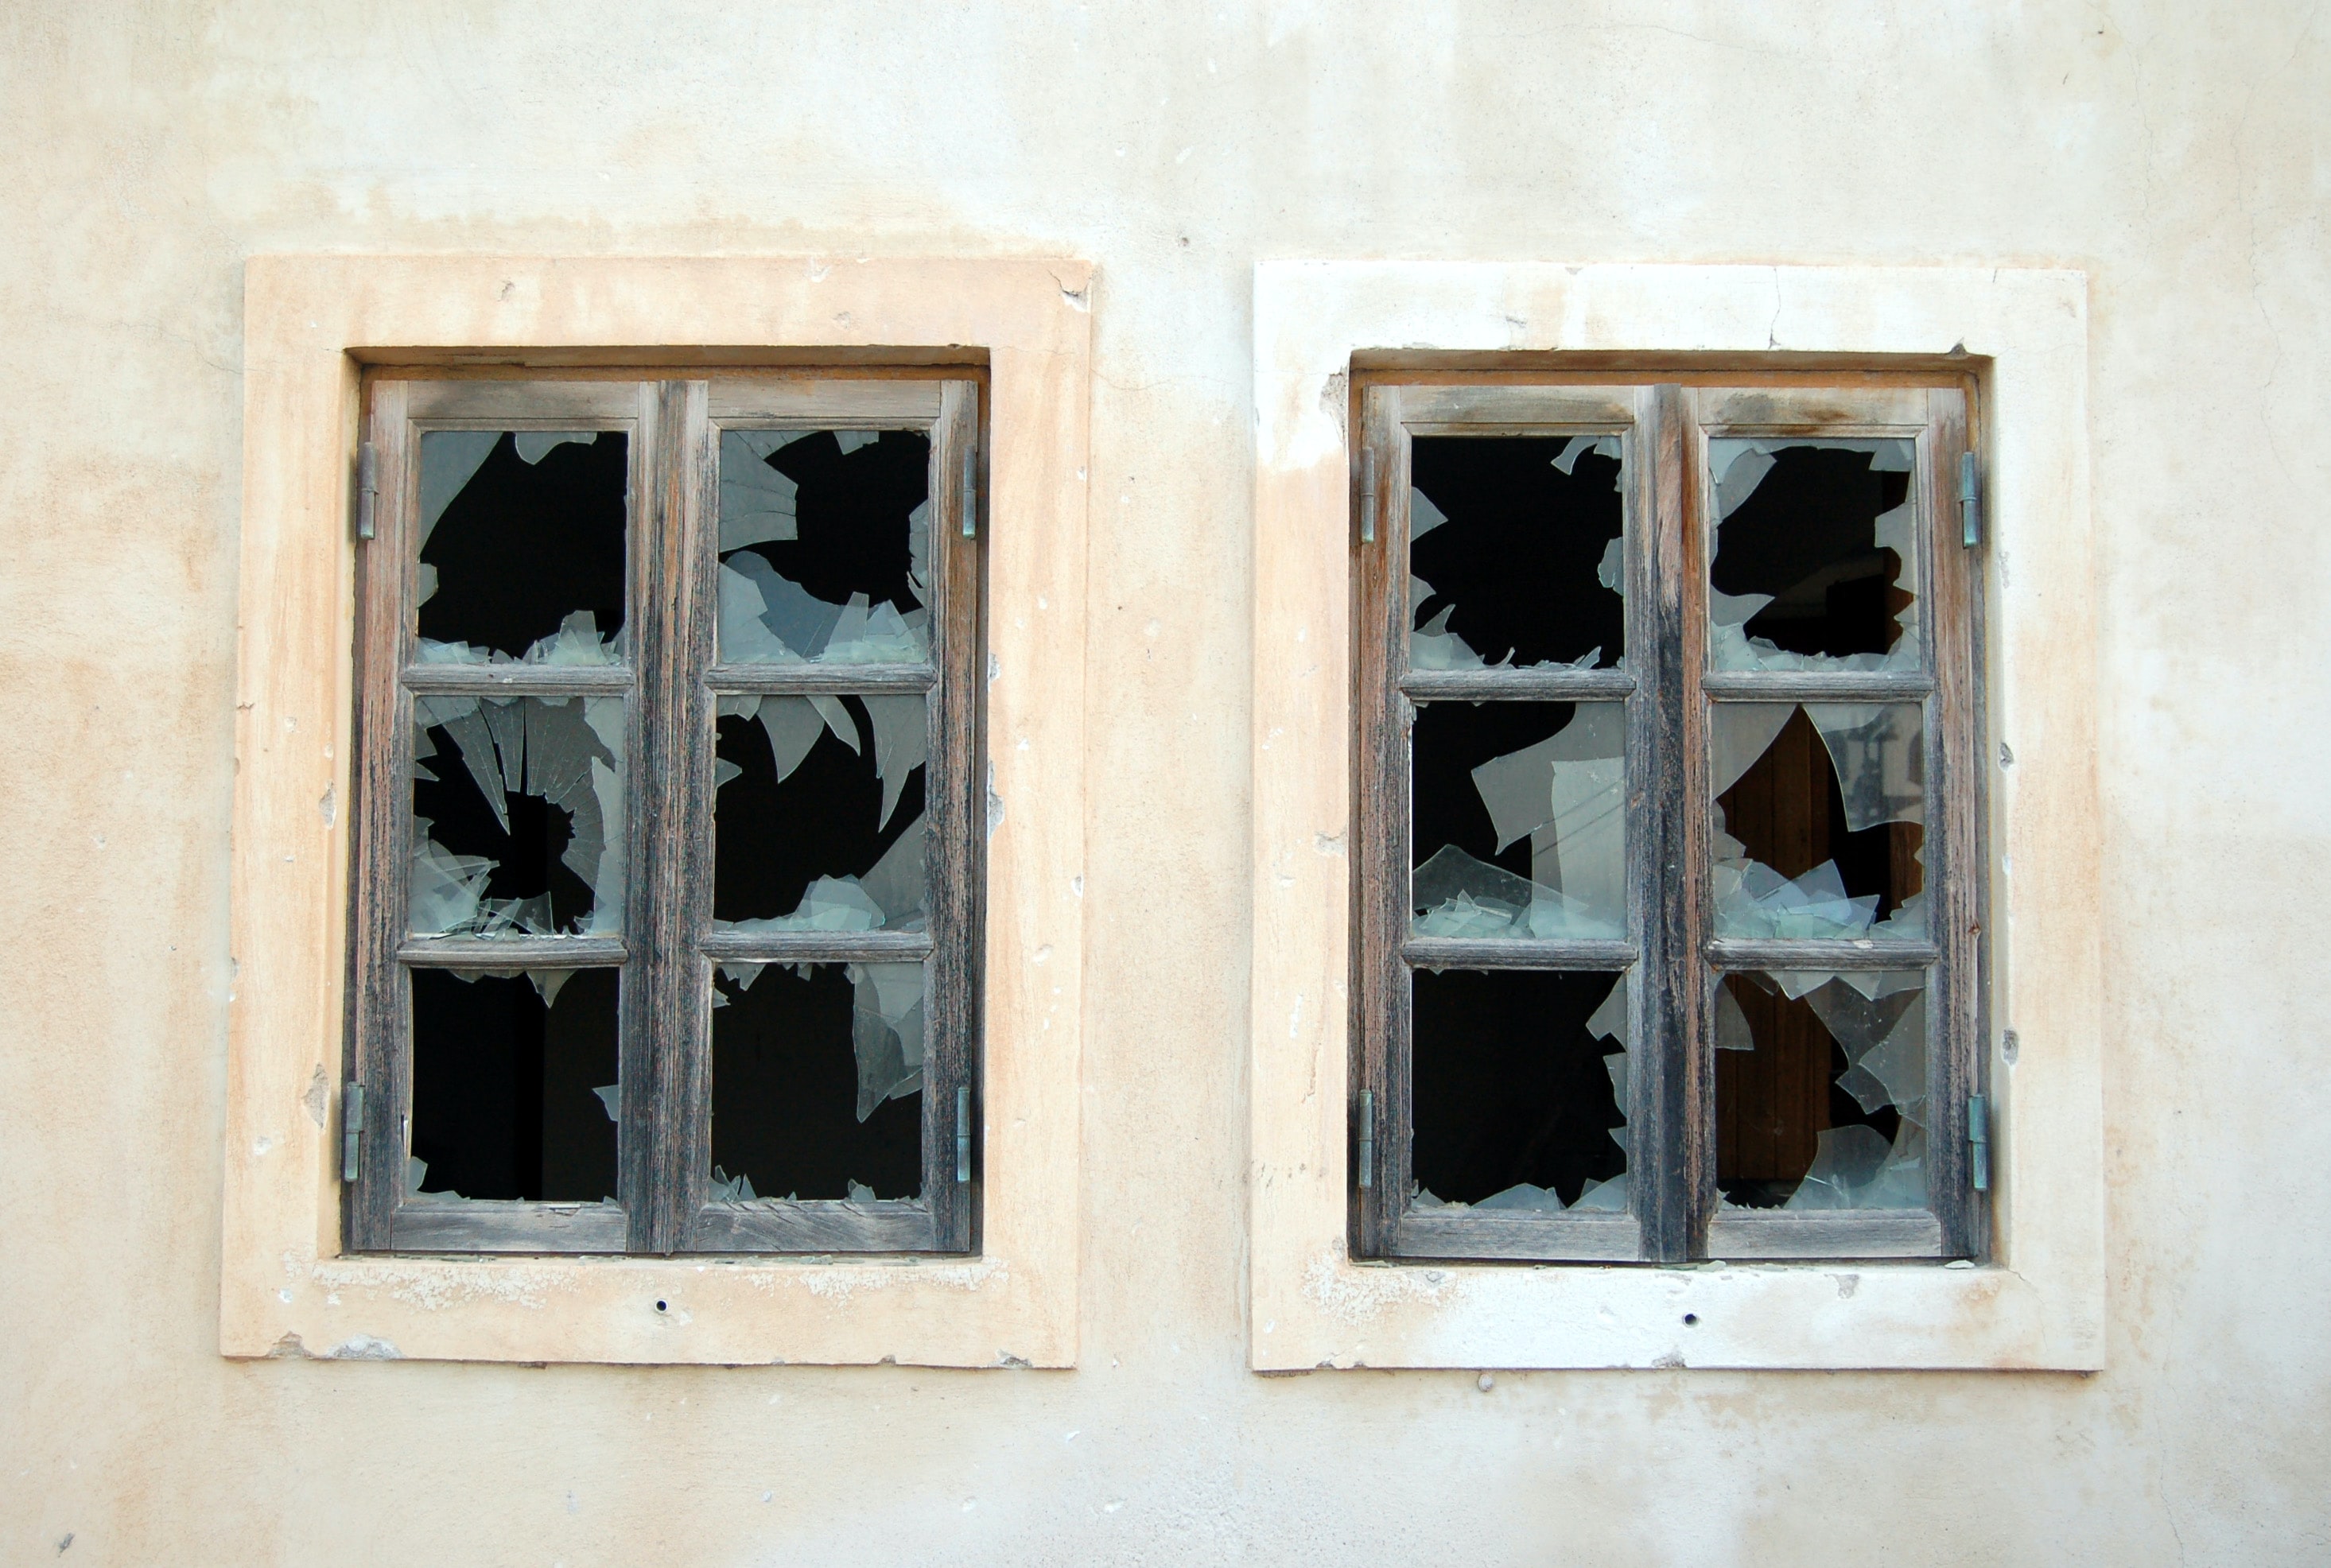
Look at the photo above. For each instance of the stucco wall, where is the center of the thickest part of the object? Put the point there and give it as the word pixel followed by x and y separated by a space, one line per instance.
pixel 2177 155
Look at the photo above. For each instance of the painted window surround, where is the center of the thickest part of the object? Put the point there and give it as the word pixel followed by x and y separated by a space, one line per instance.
pixel 311 323
pixel 2039 1302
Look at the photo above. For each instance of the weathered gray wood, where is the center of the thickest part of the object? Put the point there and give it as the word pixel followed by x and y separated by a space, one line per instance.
pixel 805 402
pixel 1478 407
pixel 475 953
pixel 1842 1233
pixel 733 946
pixel 822 679
pixel 483 1226
pixel 1538 684
pixel 1817 686
pixel 957 844
pixel 380 829
pixel 1516 1236
pixel 1729 953
pixel 1669 1157
pixel 1954 775
pixel 1380 988
pixel 525 403
pixel 823 1225
pixel 1471 953
pixel 517 680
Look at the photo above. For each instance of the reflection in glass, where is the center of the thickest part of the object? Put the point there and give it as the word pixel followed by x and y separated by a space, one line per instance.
pixel 1818 827
pixel 1816 561
pixel 514 1086
pixel 1519 820
pixel 1519 1080
pixel 824 546
pixel 1821 1090
pixel 521 545
pixel 817 1076
pixel 1514 552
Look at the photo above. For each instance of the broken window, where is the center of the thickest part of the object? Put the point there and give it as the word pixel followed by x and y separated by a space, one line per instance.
pixel 1667 745
pixel 667 864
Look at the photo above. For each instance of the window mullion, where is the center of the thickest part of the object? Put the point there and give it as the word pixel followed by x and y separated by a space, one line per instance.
pixel 1669 1150
pixel 666 1073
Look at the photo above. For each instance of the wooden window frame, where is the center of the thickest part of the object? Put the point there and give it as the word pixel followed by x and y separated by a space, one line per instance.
pixel 671 682
pixel 1664 423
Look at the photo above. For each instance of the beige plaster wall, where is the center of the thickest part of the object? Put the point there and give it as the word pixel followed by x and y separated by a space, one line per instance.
pixel 2180 155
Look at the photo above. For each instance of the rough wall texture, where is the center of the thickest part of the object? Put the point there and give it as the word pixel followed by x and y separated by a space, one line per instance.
pixel 2182 156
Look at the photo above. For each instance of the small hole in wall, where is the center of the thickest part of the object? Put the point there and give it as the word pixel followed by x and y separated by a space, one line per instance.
pixel 1689 1317
pixel 660 1307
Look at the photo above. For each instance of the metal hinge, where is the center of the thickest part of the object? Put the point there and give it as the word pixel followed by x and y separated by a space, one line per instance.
pixel 1367 495
pixel 1979 1141
pixel 1367 1137
pixel 970 501
pixel 1970 502
pixel 962 1134
pixel 367 486
pixel 352 1125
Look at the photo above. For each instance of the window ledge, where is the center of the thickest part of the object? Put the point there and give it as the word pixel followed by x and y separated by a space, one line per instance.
pixel 309 321
pixel 2040 1303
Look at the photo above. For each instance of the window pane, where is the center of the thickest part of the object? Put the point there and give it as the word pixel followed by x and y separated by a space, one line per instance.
pixel 1520 820
pixel 1514 552
pixel 1819 813
pixel 523 547
pixel 824 546
pixel 517 806
pixel 514 1084
pixel 818 822
pixel 1816 559
pixel 817 1078
pixel 1519 1080
pixel 1821 1090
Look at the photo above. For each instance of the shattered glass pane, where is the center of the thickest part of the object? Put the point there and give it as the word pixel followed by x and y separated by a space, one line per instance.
pixel 1819 815
pixel 512 1076
pixel 1520 820
pixel 521 545
pixel 517 806
pixel 1519 1080
pixel 818 820
pixel 824 546
pixel 1514 553
pixel 1816 556
pixel 1826 1108
pixel 817 1076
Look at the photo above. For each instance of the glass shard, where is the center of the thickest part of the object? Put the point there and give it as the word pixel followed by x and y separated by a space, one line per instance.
pixel 1519 1101
pixel 518 807
pixel 1819 824
pixel 506 1096
pixel 824 546
pixel 1492 777
pixel 523 547
pixel 1816 561
pixel 820 824
pixel 1826 1108
pixel 817 1079
pixel 1513 543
